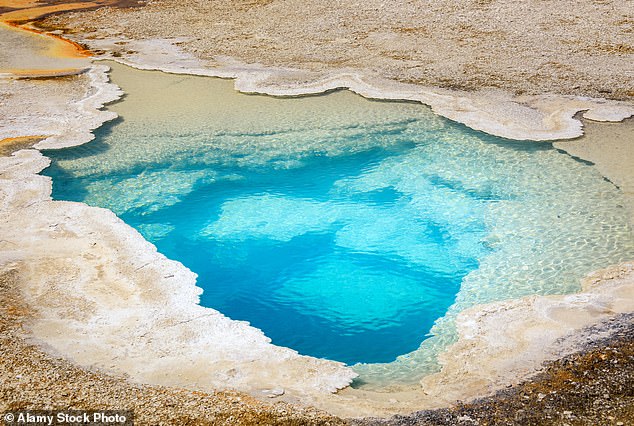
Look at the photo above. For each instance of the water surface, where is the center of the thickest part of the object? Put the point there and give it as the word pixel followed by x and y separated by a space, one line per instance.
pixel 342 227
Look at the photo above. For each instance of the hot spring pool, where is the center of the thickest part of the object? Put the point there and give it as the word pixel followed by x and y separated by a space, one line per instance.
pixel 344 228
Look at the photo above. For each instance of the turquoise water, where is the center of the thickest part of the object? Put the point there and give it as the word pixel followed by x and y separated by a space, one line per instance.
pixel 343 228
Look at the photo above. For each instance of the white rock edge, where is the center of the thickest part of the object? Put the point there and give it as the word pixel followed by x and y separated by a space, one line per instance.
pixel 526 117
pixel 105 297
pixel 127 308
pixel 506 342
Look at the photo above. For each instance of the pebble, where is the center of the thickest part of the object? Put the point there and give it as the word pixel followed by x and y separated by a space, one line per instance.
pixel 274 393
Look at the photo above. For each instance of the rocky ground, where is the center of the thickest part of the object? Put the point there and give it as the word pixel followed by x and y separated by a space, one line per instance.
pixel 543 46
pixel 579 48
pixel 592 387
pixel 33 379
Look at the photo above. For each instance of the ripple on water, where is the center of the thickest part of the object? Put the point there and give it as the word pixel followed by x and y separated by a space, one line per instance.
pixel 344 228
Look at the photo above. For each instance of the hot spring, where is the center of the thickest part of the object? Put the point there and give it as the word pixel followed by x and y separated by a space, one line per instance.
pixel 344 228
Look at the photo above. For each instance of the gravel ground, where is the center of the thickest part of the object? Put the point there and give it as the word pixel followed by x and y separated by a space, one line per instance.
pixel 595 386
pixel 566 47
pixel 33 379
pixel 580 48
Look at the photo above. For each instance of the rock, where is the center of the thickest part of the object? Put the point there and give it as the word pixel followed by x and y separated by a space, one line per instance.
pixel 274 393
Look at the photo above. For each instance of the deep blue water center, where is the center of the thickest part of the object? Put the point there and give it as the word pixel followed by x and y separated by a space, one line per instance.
pixel 336 274
pixel 342 228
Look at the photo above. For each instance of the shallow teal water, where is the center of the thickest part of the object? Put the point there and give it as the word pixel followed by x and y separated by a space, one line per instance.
pixel 347 230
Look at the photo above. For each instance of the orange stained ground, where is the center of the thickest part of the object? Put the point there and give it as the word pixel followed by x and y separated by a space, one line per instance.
pixel 25 12
pixel 10 145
